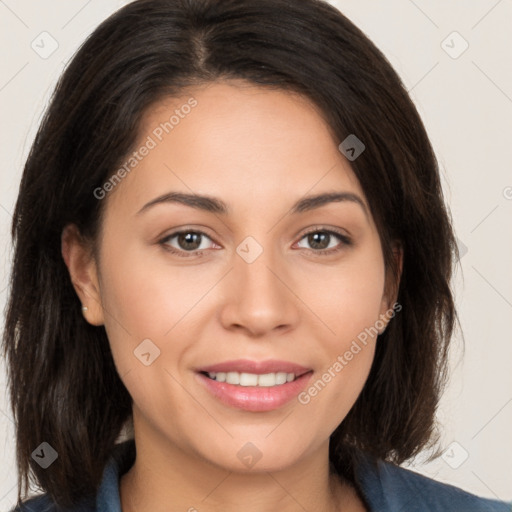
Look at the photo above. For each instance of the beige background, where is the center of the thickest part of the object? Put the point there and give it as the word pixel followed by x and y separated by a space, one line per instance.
pixel 465 99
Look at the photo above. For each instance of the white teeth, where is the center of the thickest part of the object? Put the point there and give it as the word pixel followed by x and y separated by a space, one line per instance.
pixel 233 378
pixel 281 377
pixel 267 380
pixel 248 379
pixel 252 379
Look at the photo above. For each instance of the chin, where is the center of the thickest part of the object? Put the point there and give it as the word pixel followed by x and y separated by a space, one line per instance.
pixel 243 455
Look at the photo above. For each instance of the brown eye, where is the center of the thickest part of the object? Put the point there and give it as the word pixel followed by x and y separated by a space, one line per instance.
pixel 319 240
pixel 185 241
pixel 324 241
pixel 189 241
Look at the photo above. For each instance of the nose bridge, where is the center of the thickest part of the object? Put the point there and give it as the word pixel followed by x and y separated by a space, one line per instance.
pixel 258 299
pixel 253 266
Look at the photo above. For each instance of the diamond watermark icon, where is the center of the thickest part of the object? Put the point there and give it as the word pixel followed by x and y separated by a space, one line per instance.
pixel 249 454
pixel 146 352
pixel 455 455
pixel 352 147
pixel 249 249
pixel 44 45
pixel 44 455
pixel 463 249
pixel 454 45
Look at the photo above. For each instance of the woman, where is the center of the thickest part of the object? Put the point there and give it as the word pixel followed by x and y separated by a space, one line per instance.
pixel 230 236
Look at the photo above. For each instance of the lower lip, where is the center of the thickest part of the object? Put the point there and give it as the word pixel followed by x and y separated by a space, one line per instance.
pixel 255 398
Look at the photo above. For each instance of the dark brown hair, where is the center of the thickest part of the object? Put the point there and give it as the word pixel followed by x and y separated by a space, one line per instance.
pixel 64 387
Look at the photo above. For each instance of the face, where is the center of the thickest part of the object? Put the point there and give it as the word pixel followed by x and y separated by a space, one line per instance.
pixel 256 272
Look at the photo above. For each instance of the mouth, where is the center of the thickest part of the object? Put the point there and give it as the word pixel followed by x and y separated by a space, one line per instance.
pixel 254 386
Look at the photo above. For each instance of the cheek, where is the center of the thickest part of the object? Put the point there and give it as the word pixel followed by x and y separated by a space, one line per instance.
pixel 146 298
pixel 345 362
pixel 347 297
pixel 349 303
pixel 333 391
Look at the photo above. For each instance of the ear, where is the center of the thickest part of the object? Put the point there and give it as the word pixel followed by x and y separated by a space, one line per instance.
pixel 83 272
pixel 391 287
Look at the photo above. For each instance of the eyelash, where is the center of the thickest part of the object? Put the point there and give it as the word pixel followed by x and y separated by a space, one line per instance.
pixel 345 241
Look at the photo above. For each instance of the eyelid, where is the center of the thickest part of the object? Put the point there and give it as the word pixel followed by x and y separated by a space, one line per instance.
pixel 326 229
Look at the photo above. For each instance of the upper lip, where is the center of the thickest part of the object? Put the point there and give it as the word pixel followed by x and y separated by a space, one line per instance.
pixel 256 367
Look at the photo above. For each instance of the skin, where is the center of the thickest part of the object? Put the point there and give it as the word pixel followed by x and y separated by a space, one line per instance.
pixel 259 150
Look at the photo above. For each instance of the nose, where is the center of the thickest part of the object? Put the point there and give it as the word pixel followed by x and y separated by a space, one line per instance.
pixel 259 296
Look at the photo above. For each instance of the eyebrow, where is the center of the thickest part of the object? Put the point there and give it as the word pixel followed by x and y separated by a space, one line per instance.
pixel 215 205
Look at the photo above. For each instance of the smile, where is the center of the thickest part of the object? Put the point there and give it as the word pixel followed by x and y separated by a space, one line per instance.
pixel 254 386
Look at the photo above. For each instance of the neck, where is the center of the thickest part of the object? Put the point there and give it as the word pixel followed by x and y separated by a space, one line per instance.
pixel 168 478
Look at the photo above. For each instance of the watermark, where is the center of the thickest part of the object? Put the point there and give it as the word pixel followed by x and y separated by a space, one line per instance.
pixel 454 45
pixel 146 352
pixel 352 147
pixel 249 249
pixel 151 142
pixel 455 455
pixel 507 193
pixel 44 45
pixel 343 360
pixel 45 455
pixel 463 248
pixel 249 454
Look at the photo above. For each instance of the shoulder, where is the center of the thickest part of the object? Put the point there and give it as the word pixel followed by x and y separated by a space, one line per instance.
pixel 107 496
pixel 43 503
pixel 389 487
pixel 36 504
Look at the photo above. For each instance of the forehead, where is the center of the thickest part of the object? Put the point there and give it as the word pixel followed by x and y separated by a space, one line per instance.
pixel 237 141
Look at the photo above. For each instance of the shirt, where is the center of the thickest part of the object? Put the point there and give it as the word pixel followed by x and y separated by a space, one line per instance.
pixel 385 486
